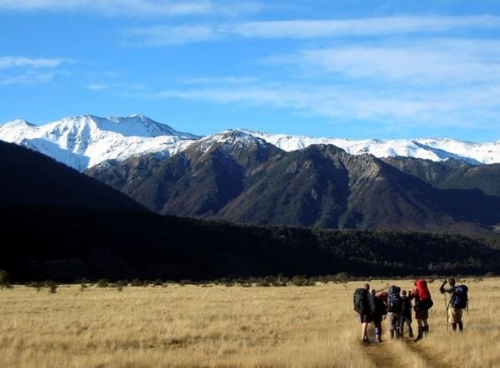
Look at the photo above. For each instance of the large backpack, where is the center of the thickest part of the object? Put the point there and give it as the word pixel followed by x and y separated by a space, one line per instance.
pixel 394 299
pixel 360 301
pixel 460 297
pixel 424 299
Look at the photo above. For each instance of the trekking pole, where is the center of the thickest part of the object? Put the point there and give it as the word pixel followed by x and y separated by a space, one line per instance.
pixel 446 311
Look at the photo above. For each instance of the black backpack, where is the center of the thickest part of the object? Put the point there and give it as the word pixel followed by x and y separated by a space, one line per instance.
pixel 380 307
pixel 460 297
pixel 394 299
pixel 360 301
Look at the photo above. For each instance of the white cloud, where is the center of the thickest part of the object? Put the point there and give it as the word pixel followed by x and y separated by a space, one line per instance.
pixel 371 28
pixel 381 26
pixel 160 36
pixel 98 87
pixel 134 7
pixel 29 77
pixel 23 70
pixel 464 107
pixel 435 62
pixel 7 62
pixel 221 80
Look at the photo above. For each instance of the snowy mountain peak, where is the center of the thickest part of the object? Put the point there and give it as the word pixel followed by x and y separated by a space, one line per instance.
pixel 130 126
pixel 87 140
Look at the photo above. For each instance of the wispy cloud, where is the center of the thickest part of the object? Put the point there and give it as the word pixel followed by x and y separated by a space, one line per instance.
pixel 433 63
pixel 135 7
pixel 371 27
pixel 309 29
pixel 7 62
pixel 161 36
pixel 29 77
pixel 221 80
pixel 23 70
pixel 418 109
pixel 420 70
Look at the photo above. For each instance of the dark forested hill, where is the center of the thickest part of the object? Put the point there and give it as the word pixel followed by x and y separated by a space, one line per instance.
pixel 28 177
pixel 61 225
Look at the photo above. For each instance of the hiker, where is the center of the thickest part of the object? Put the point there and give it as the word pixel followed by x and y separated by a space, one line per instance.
pixel 378 315
pixel 456 304
pixel 394 311
pixel 364 305
pixel 406 310
pixel 422 303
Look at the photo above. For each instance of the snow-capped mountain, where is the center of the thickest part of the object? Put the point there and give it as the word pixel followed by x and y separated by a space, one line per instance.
pixel 85 141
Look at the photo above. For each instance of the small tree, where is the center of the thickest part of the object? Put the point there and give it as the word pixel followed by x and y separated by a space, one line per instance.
pixel 51 284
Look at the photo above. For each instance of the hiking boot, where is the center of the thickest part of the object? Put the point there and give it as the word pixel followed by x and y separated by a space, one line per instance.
pixel 378 338
pixel 420 334
pixel 366 341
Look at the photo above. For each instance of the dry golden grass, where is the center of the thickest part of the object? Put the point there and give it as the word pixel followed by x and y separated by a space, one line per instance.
pixel 218 326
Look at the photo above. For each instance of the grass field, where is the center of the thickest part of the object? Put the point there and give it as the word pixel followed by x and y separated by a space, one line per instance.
pixel 219 326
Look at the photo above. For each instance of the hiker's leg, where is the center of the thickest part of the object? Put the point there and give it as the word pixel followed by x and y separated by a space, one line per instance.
pixel 425 316
pixel 378 330
pixel 459 320
pixel 410 330
pixel 454 326
pixel 399 327
pixel 420 333
pixel 420 324
pixel 364 330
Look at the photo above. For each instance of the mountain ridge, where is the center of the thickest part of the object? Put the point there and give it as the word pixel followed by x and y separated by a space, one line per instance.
pixel 319 186
pixel 62 225
pixel 84 141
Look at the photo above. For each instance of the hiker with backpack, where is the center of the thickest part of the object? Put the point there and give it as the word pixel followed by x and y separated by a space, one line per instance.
pixel 406 311
pixel 458 302
pixel 422 303
pixel 394 311
pixel 380 312
pixel 364 305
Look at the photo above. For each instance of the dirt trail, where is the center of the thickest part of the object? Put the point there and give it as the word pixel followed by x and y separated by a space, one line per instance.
pixel 431 360
pixel 390 353
pixel 385 355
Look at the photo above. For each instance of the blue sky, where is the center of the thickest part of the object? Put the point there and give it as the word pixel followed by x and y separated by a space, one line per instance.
pixel 343 69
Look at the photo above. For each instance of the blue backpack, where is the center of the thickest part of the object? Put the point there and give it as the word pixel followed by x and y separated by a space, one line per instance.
pixel 394 303
pixel 460 297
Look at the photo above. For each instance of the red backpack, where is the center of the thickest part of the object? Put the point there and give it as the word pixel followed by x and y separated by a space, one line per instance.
pixel 423 298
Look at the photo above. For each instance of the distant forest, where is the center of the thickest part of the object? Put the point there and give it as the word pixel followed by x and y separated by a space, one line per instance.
pixel 67 245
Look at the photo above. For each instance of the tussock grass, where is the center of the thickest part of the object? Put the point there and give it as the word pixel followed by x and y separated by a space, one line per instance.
pixel 219 326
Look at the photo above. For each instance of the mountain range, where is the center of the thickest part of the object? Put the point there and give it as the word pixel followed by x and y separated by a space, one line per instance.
pixel 82 142
pixel 426 185
pixel 59 224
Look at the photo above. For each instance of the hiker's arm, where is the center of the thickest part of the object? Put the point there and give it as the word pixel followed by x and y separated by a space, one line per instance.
pixel 442 290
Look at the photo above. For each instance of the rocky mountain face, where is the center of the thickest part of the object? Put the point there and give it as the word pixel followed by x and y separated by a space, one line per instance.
pixel 243 179
pixel 428 185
